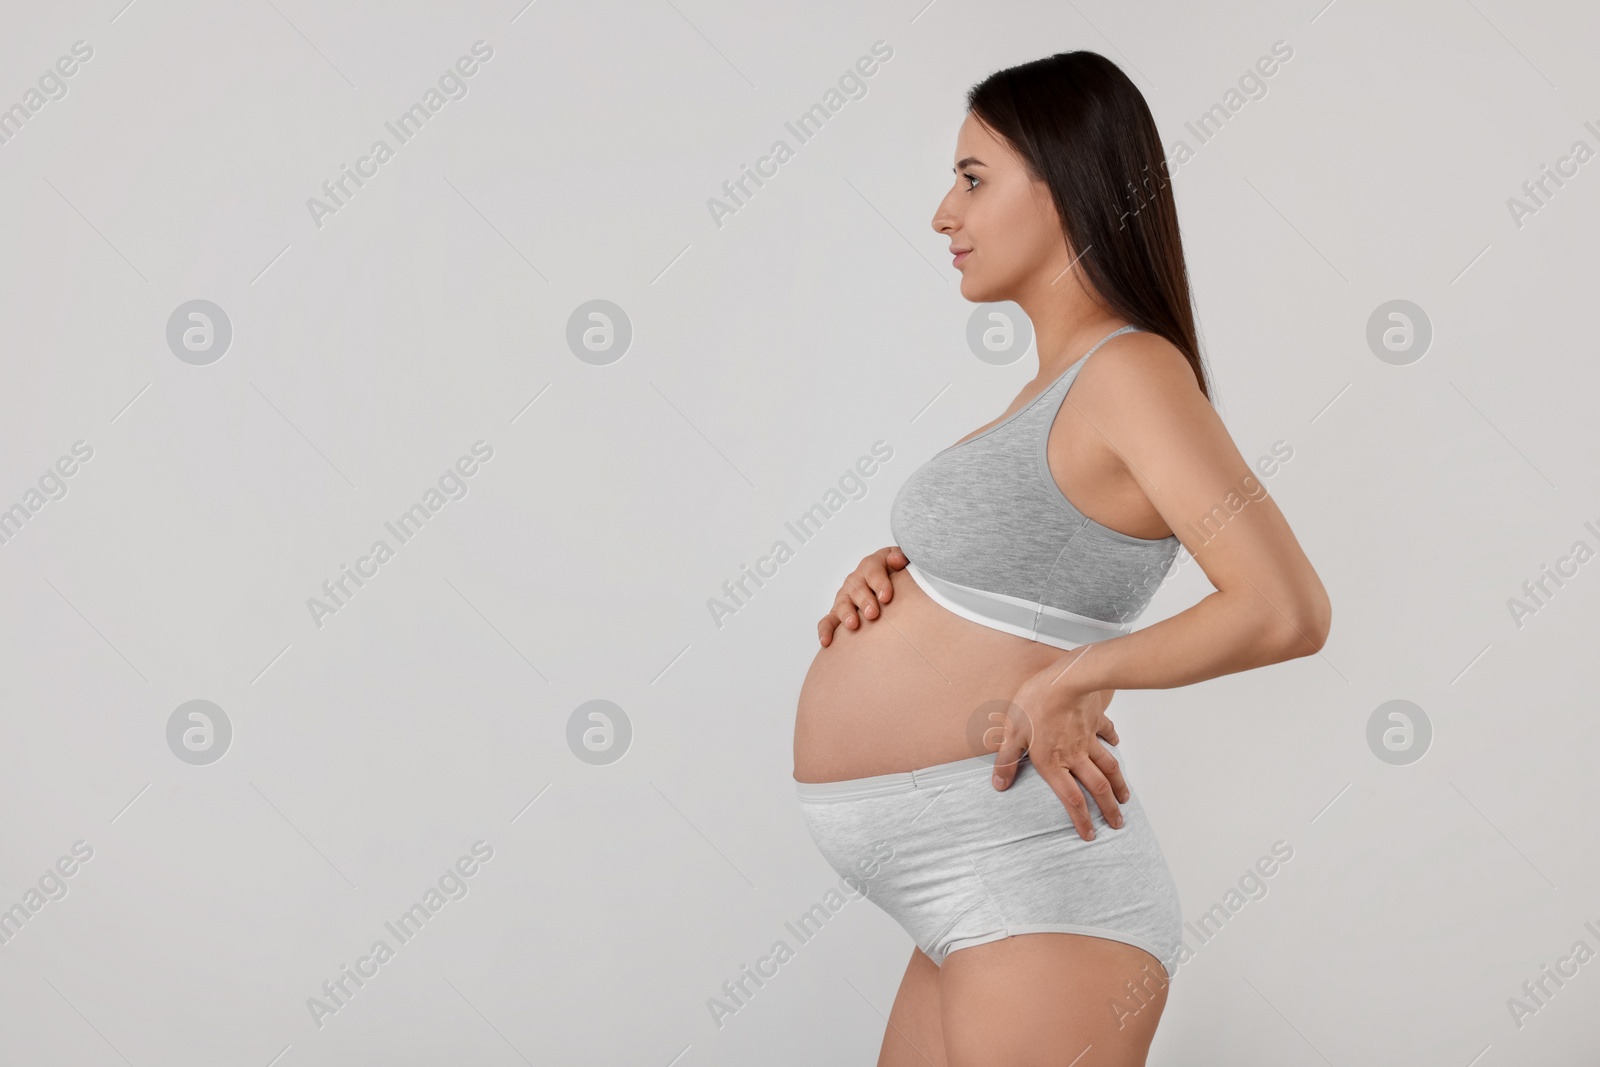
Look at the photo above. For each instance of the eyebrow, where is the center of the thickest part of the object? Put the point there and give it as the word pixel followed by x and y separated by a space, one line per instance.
pixel 970 161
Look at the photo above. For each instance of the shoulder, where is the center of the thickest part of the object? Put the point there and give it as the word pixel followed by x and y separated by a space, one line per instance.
pixel 1137 370
pixel 1141 394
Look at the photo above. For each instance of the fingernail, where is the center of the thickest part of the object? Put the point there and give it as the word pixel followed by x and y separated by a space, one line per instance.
pixel 999 780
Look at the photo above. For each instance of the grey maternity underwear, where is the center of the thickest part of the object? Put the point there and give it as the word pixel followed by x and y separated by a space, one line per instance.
pixel 971 864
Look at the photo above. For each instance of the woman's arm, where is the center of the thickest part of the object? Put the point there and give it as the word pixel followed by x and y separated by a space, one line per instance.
pixel 1269 604
pixel 1222 634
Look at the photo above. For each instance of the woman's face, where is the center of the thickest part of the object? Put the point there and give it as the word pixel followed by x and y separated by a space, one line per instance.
pixel 1003 220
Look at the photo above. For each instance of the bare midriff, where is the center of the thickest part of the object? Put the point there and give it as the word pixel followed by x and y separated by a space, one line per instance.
pixel 902 692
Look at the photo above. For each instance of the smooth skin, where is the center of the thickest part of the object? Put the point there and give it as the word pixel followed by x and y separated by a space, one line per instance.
pixel 1053 999
pixel 1159 452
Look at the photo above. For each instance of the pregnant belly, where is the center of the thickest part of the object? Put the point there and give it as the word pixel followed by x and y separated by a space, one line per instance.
pixel 905 690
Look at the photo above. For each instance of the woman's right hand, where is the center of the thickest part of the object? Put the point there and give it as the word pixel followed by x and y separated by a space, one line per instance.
pixel 866 589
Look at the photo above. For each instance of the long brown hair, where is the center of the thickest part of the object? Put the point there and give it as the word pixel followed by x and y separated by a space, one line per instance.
pixel 1084 129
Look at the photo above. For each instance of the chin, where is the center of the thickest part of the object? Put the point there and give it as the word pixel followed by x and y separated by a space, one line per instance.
pixel 974 291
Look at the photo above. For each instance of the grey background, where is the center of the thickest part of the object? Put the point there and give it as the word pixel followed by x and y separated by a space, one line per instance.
pixel 432 711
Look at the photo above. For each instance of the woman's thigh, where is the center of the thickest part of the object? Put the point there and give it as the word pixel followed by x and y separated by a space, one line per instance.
pixel 1033 1000
pixel 914 1037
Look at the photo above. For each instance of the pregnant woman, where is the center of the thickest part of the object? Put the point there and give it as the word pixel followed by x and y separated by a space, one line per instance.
pixel 952 754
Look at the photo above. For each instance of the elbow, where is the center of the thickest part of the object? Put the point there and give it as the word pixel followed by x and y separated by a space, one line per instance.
pixel 1303 629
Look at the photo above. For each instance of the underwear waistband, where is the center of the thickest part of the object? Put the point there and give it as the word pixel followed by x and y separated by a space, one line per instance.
pixel 902 781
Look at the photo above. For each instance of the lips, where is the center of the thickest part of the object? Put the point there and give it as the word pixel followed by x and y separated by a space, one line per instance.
pixel 960 255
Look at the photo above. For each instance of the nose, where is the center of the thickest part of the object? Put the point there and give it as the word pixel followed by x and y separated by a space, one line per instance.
pixel 944 217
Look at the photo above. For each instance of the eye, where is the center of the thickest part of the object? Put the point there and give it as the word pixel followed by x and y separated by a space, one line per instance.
pixel 971 178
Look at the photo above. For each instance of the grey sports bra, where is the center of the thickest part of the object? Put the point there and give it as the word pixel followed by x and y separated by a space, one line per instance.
pixel 990 536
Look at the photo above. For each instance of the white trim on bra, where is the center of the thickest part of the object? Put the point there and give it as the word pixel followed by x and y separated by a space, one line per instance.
pixel 1049 625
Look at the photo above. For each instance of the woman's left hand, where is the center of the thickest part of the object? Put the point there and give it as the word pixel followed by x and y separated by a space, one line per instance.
pixel 1058 727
